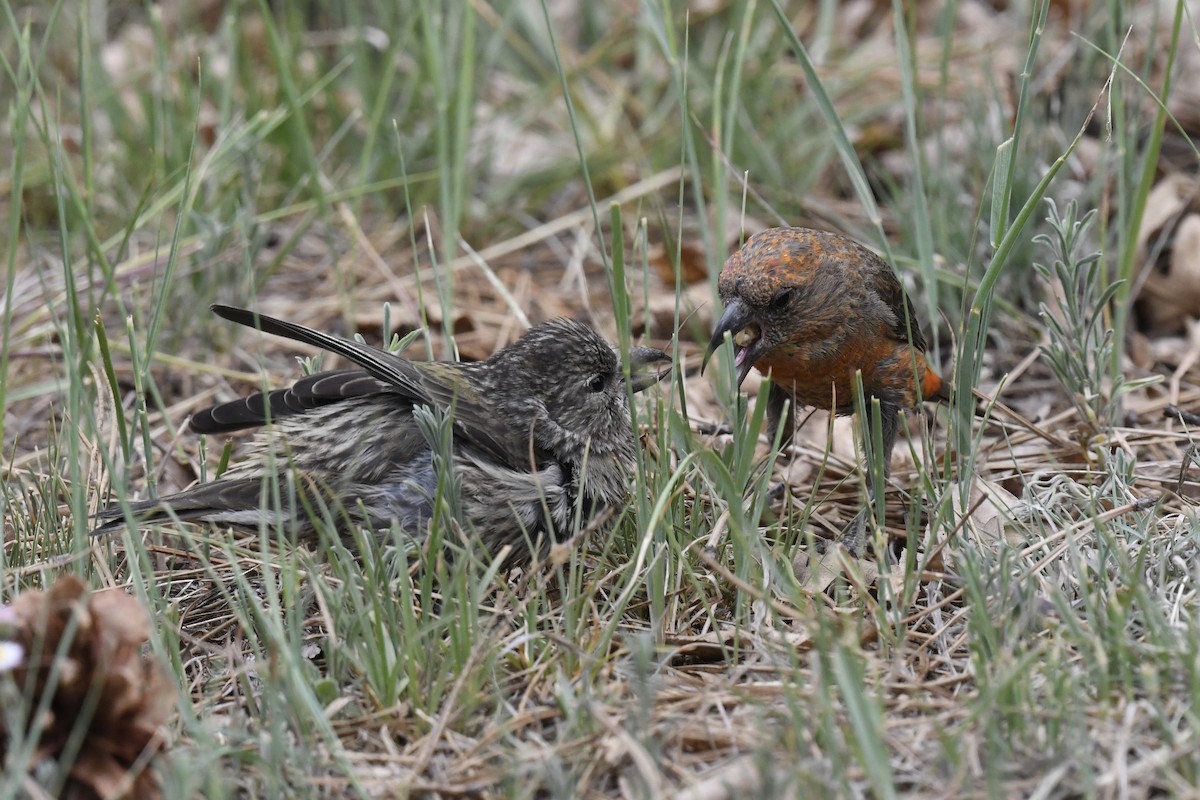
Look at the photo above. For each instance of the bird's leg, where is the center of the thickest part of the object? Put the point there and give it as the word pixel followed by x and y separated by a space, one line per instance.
pixel 854 534
pixel 781 419
pixel 781 414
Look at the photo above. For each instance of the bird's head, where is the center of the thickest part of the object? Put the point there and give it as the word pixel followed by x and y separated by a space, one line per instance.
pixel 573 385
pixel 767 287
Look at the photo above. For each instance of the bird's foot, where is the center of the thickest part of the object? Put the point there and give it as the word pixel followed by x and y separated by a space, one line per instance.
pixel 705 428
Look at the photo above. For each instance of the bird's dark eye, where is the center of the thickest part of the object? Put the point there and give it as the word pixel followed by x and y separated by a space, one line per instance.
pixel 781 300
pixel 596 383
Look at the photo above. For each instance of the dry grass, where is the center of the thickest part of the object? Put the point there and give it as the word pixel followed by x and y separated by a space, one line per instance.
pixel 1026 625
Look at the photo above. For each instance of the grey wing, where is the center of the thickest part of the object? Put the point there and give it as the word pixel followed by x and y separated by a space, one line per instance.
pixel 436 384
pixel 306 394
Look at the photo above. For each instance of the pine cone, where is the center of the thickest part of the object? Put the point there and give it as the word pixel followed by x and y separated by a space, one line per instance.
pixel 99 680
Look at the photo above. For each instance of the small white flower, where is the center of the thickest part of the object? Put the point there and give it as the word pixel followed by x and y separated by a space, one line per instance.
pixel 11 655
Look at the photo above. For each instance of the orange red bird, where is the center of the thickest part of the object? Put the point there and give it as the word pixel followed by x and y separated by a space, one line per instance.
pixel 812 309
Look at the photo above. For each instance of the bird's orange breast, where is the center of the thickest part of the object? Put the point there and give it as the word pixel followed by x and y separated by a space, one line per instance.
pixel 822 378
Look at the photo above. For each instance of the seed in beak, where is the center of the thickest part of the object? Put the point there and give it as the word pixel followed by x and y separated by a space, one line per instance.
pixel 747 336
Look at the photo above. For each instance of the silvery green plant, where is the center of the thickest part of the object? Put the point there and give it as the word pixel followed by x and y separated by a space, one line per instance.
pixel 1080 345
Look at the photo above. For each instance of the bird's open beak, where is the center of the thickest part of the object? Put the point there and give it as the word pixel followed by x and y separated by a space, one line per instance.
pixel 746 337
pixel 647 366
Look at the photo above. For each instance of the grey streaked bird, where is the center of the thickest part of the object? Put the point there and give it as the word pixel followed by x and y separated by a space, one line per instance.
pixel 542 440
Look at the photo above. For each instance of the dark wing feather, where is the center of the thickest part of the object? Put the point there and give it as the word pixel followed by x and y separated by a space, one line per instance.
pixel 206 501
pixel 433 383
pixel 398 372
pixel 887 286
pixel 307 393
pixel 452 387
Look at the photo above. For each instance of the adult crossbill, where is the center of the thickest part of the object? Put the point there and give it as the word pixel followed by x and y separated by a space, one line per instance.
pixel 813 310
pixel 541 435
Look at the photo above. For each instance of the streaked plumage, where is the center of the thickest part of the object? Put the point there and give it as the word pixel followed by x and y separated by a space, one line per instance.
pixel 541 432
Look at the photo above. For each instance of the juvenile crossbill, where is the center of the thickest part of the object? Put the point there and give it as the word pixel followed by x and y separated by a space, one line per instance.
pixel 541 433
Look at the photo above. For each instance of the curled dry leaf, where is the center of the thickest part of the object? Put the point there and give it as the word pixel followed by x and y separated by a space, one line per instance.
pixel 1169 248
pixel 817 569
pixel 86 649
pixel 989 518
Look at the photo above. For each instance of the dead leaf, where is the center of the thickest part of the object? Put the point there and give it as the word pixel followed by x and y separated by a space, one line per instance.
pixel 686 254
pixel 1169 248
pixel 817 568
pixel 990 518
